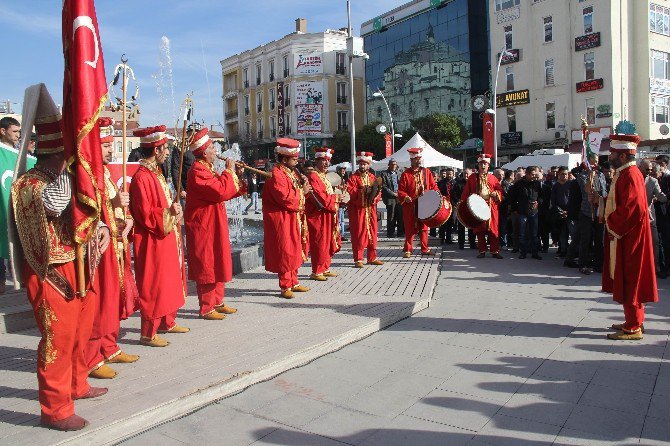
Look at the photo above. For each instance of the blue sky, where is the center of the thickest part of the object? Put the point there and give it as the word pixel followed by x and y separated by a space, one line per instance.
pixel 201 33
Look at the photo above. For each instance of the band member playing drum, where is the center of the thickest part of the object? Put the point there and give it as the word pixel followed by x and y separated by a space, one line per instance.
pixel 363 211
pixel 321 207
pixel 486 186
pixel 414 181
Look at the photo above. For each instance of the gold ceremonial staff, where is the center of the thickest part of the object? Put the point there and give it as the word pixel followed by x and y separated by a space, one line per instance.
pixel 124 70
pixel 187 107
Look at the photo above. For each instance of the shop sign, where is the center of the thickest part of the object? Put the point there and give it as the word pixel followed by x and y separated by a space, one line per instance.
pixel 661 86
pixel 604 111
pixel 587 41
pixel 592 85
pixel 511 138
pixel 512 56
pixel 518 97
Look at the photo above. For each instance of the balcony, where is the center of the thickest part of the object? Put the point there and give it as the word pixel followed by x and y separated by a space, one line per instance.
pixel 272 105
pixel 287 102
pixel 246 111
pixel 341 99
pixel 231 115
pixel 246 84
pixel 340 69
pixel 259 108
pixel 260 134
pixel 273 133
pixel 272 77
pixel 258 81
pixel 343 127
pixel 285 72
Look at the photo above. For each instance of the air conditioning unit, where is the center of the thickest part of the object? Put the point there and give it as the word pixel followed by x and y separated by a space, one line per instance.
pixel 559 134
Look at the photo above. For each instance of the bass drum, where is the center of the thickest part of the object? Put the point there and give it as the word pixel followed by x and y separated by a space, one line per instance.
pixel 334 178
pixel 473 212
pixel 344 197
pixel 433 209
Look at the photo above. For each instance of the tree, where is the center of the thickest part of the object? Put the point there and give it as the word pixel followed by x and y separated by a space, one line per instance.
pixel 369 140
pixel 442 131
pixel 341 144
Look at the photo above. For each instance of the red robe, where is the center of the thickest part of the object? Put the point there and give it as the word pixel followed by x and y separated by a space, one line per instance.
pixel 206 222
pixel 159 261
pixel 283 221
pixel 628 271
pixel 491 191
pixel 324 231
pixel 408 187
pixel 362 215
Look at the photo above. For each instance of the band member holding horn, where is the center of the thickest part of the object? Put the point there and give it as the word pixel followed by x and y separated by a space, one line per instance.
pixel 115 283
pixel 159 261
pixel 414 181
pixel 42 206
pixel 210 262
pixel 629 272
pixel 283 218
pixel 486 186
pixel 321 207
pixel 365 192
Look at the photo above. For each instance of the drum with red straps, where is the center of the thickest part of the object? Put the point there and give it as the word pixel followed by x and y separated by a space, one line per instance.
pixel 473 212
pixel 433 209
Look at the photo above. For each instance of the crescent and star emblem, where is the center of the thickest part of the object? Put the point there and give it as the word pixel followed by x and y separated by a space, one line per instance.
pixel 87 22
pixel 7 174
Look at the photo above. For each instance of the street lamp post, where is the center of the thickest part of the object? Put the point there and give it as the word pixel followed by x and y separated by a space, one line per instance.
pixel 379 94
pixel 503 53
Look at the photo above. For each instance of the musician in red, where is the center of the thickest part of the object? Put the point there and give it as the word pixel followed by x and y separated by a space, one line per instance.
pixel 112 285
pixel 159 260
pixel 414 181
pixel 284 224
pixel 363 211
pixel 486 186
pixel 41 201
pixel 210 262
pixel 321 206
pixel 629 271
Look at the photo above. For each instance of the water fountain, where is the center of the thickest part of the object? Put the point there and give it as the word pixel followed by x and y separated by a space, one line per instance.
pixel 165 82
pixel 234 207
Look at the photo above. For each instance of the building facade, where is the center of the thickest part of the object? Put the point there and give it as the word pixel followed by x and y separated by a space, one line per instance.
pixel 427 56
pixel 297 86
pixel 604 60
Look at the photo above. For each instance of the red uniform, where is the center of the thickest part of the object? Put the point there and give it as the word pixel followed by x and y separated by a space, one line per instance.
pixel 64 320
pixel 284 226
pixel 324 231
pixel 207 238
pixel 159 262
pixel 490 190
pixel 629 272
pixel 362 216
pixel 115 285
pixel 412 184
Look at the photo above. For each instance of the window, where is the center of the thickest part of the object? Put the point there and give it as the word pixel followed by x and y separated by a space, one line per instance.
pixel 272 98
pixel 259 127
pixel 590 111
pixel 119 146
pixel 588 19
pixel 548 29
pixel 287 124
pixel 659 64
pixel 340 67
pixel 550 111
pixel 259 101
pixel 549 73
pixel 130 146
pixel 659 109
pixel 508 37
pixel 258 74
pixel 426 104
pixel 589 66
pixel 247 129
pixel 285 64
pixel 509 74
pixel 246 105
pixel 246 77
pixel 273 127
pixel 506 4
pixel 511 119
pixel 271 68
pixel 287 96
pixel 659 19
pixel 342 120
pixel 341 92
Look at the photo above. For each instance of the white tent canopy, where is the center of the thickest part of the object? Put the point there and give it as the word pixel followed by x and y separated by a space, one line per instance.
pixel 545 161
pixel 431 157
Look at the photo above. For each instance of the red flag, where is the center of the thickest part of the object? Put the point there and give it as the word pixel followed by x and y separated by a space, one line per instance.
pixel 84 95
pixel 489 134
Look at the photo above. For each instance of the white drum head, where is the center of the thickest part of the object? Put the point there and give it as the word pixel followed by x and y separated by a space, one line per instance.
pixel 334 178
pixel 428 204
pixel 479 207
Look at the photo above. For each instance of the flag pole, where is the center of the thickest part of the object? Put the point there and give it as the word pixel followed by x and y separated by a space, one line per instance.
pixel 124 126
pixel 187 116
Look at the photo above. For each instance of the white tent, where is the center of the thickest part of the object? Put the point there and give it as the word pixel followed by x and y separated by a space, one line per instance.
pixel 546 159
pixel 345 164
pixel 431 157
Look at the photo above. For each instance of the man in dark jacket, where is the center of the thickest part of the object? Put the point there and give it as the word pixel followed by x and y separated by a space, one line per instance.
pixel 390 179
pixel 525 199
pixel 457 191
pixel 446 184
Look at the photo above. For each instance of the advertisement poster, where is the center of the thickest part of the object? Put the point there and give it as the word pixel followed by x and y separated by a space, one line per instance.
pixel 309 92
pixel 309 118
pixel 308 63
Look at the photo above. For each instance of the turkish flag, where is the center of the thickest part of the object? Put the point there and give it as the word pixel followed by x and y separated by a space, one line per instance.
pixel 84 95
pixel 489 134
pixel 389 145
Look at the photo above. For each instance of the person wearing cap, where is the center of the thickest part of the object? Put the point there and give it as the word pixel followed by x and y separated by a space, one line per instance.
pixel 629 272
pixel 210 261
pixel 41 200
pixel 488 187
pixel 363 224
pixel 414 181
pixel 321 206
pixel 284 222
pixel 114 283
pixel 159 260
